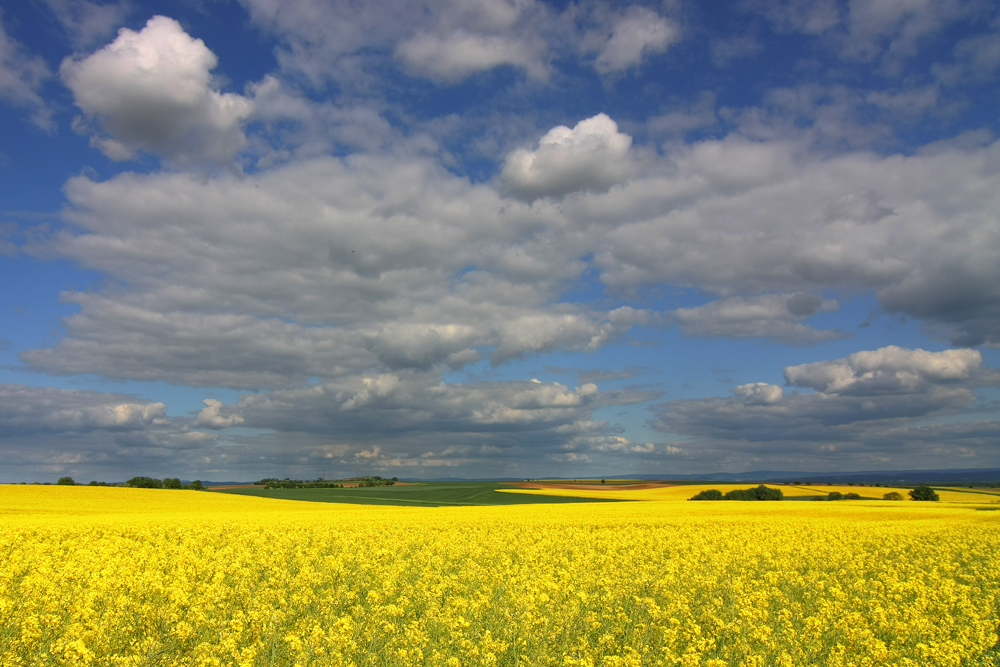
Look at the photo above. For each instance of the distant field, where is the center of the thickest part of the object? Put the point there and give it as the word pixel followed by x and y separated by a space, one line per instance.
pixel 425 494
pixel 653 492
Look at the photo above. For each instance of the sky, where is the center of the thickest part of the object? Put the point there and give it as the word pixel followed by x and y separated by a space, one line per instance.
pixel 497 238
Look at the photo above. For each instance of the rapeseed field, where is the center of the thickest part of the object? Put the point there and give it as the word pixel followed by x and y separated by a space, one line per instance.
pixel 112 576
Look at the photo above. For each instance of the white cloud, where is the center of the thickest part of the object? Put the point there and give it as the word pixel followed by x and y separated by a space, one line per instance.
pixel 21 77
pixel 592 156
pixel 211 415
pixel 453 57
pixel 759 393
pixel 445 41
pixel 635 34
pixel 890 369
pixel 775 316
pixel 151 90
pixel 869 406
pixel 733 217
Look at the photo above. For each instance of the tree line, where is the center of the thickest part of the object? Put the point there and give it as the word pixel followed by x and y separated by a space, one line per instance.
pixel 320 483
pixel 142 483
pixel 922 492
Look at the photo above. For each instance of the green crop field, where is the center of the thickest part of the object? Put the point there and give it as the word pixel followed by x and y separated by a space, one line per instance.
pixel 424 494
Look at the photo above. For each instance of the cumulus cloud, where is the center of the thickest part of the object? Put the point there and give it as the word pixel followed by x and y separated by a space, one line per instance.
pixel 318 269
pixel 592 156
pixel 152 91
pixel 734 217
pixel 79 432
pixel 635 34
pixel 759 393
pixel 407 402
pixel 446 41
pixel 775 316
pixel 868 405
pixel 211 416
pixel 21 77
pixel 889 370
pixel 25 408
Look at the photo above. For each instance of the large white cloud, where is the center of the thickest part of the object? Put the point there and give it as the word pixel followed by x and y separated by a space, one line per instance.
pixel 323 268
pixel 152 90
pixel 738 218
pixel 592 156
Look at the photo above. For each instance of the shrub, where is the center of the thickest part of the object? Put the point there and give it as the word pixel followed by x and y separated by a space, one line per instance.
pixel 144 483
pixel 893 495
pixel 759 493
pixel 924 492
pixel 65 481
pixel 708 494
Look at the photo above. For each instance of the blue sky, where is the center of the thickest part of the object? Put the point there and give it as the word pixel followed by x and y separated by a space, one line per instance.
pixel 485 238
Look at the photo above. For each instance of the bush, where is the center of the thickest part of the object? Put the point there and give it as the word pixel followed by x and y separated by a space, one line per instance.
pixel 65 481
pixel 708 494
pixel 835 495
pixel 893 495
pixel 144 483
pixel 759 493
pixel 924 492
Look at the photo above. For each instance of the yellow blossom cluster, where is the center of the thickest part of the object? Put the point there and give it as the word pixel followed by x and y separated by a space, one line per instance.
pixel 151 577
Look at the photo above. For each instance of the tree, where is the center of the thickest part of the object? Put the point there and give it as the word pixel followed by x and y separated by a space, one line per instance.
pixel 171 483
pixel 924 492
pixel 759 493
pixel 708 494
pixel 144 483
pixel 66 481
pixel 197 485
pixel 893 495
